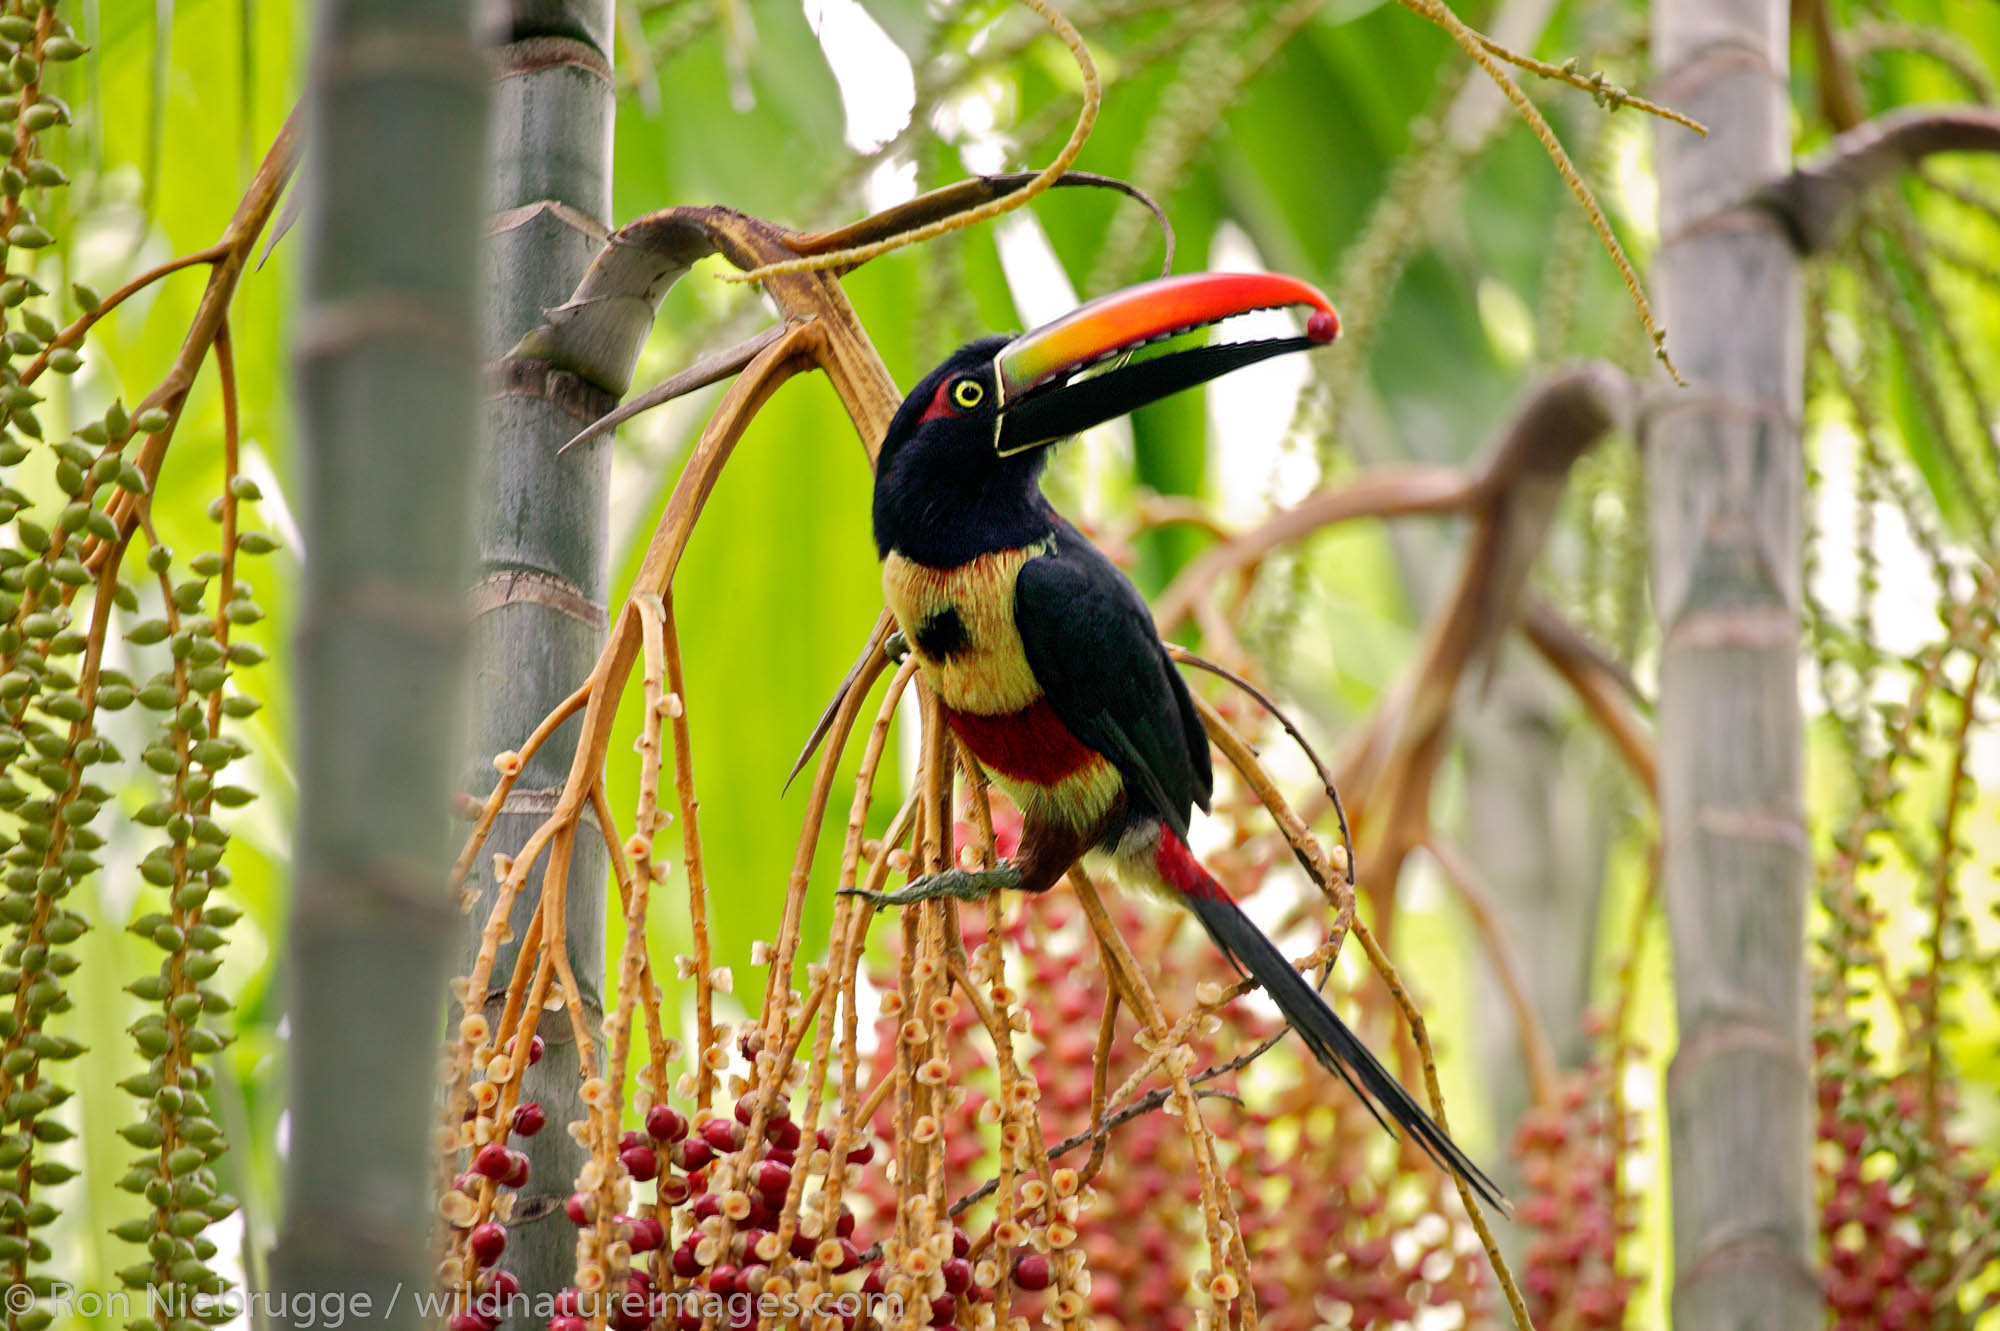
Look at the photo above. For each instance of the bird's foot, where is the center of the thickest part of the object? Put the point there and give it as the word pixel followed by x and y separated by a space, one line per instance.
pixel 896 647
pixel 961 884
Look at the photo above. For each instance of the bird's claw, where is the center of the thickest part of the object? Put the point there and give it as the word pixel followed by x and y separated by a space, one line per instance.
pixel 959 884
pixel 895 647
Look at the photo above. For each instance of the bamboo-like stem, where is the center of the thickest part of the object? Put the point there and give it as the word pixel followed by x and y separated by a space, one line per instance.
pixel 386 359
pixel 1723 476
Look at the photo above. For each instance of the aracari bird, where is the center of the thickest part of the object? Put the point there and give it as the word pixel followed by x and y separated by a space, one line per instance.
pixel 1042 654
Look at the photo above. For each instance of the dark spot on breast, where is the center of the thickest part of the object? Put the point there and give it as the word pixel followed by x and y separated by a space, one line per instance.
pixel 943 635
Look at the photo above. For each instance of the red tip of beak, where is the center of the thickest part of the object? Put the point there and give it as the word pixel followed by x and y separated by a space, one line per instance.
pixel 1323 326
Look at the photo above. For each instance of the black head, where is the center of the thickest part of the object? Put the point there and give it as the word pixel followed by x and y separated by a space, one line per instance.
pixel 945 487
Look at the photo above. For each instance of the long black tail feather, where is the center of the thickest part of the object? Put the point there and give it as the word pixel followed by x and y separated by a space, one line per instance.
pixel 1336 1047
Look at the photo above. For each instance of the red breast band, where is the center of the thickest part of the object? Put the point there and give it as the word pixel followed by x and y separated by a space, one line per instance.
pixel 1031 745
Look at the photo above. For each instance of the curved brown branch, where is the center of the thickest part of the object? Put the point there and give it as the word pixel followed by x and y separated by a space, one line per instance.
pixel 1405 490
pixel 1817 199
pixel 964 195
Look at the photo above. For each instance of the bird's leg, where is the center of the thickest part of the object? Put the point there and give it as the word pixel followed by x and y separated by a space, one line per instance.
pixel 964 884
pixel 896 646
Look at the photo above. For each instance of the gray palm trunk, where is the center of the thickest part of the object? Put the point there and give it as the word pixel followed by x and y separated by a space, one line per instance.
pixel 1725 477
pixel 542 536
pixel 388 384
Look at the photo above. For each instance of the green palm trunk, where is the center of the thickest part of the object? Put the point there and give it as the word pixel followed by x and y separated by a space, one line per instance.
pixel 388 376
pixel 542 535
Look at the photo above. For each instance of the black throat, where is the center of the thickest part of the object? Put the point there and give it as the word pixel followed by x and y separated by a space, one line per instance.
pixel 944 520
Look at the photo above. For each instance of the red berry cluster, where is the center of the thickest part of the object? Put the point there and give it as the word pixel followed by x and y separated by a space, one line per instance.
pixel 1569 1153
pixel 1882 1195
pixel 497 1169
pixel 1307 1174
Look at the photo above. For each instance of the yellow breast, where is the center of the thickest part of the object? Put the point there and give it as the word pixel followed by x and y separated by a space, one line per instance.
pixel 960 626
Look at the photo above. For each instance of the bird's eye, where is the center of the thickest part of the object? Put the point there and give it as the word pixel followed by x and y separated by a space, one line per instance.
pixel 968 393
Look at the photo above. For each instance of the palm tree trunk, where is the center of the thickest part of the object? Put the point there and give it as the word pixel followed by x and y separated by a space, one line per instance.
pixel 541 530
pixel 1725 472
pixel 388 397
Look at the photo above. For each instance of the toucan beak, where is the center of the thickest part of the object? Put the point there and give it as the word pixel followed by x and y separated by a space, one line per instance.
pixel 1041 399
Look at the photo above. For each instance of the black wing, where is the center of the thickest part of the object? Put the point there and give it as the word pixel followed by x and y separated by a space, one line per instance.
pixel 1091 642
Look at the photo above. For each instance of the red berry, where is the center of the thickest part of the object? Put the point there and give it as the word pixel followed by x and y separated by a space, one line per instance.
pixel 771 1178
pixel 581 1208
pixel 957 1275
pixel 692 1155
pixel 640 1162
pixel 467 1183
pixel 568 1324
pixel 665 1124
pixel 491 1162
pixel 960 1244
pixel 517 1170
pixel 529 1119
pixel 871 1284
pixel 536 1048
pixel 722 1280
pixel 1032 1271
pixel 942 1307
pixel 488 1242
pixel 783 1134
pixel 569 1303
pixel 850 1257
pixel 502 1286
pixel 721 1134
pixel 647 1234
pixel 861 1154
pixel 843 1222
pixel 781 1155
pixel 684 1264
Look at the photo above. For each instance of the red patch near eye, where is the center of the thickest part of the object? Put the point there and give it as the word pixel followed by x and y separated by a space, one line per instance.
pixel 941 407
